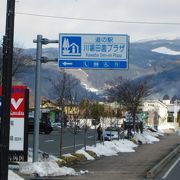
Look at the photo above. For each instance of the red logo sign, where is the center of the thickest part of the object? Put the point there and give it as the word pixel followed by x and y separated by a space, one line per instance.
pixel 17 101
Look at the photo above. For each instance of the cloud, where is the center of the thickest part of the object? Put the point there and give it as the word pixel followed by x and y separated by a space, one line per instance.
pixel 27 27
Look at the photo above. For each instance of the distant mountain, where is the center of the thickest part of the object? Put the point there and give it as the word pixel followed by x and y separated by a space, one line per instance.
pixel 141 54
pixel 165 82
pixel 49 73
pixel 148 60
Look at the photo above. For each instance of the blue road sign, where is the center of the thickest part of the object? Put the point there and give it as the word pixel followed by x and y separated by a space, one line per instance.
pixel 93 51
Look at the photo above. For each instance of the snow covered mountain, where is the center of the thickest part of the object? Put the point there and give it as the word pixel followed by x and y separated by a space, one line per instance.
pixel 156 60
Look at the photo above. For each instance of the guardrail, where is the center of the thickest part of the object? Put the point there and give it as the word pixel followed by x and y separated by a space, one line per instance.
pixel 158 167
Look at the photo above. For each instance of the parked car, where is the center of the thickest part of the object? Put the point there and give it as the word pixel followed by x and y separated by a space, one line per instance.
pixel 44 126
pixel 110 133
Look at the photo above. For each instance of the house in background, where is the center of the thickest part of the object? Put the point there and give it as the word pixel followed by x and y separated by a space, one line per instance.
pixel 157 112
pixel 49 110
pixel 173 107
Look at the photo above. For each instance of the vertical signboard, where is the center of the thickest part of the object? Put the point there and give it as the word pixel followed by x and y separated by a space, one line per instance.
pixel 18 123
pixel 17 118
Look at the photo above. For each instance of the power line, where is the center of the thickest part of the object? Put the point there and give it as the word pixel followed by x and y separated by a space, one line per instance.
pixel 100 20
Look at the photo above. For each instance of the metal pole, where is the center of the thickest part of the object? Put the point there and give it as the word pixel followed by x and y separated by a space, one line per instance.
pixel 85 134
pixel 37 98
pixel 6 89
pixel 95 131
pixel 40 41
pixel 175 114
pixel 61 132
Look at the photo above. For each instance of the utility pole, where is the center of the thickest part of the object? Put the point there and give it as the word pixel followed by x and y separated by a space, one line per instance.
pixel 6 89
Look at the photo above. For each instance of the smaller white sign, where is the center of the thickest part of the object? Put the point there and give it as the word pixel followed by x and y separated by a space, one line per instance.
pixel 16 138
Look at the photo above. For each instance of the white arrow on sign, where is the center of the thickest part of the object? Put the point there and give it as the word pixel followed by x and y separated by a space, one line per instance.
pixel 67 63
pixel 17 103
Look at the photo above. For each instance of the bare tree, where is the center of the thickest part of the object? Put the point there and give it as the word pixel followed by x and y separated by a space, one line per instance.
pixel 92 110
pixel 20 61
pixel 73 114
pixel 96 112
pixel 85 113
pixel 64 86
pixel 129 94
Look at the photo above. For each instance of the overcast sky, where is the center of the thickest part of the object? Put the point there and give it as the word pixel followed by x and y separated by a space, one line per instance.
pixel 27 27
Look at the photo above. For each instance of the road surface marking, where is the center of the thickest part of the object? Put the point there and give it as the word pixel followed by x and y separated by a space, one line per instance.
pixel 51 140
pixel 89 137
pixel 73 146
pixel 171 168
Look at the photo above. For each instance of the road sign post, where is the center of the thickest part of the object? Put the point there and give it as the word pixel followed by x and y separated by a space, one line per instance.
pixel 95 51
pixel 39 59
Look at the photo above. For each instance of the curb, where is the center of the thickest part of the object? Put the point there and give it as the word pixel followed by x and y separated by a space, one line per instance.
pixel 158 167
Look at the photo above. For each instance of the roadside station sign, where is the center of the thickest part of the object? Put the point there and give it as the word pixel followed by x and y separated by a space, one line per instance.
pixel 93 51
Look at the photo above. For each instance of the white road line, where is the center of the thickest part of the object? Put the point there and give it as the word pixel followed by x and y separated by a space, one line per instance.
pixel 73 146
pixel 89 137
pixel 171 168
pixel 50 140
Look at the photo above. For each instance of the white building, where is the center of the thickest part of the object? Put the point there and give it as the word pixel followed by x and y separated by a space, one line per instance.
pixel 158 112
pixel 173 110
pixel 161 112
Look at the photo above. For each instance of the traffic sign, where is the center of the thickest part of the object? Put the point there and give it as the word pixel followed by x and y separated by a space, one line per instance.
pixel 93 51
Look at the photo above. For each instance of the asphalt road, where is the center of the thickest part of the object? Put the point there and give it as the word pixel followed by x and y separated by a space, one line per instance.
pixel 172 172
pixel 175 173
pixel 50 142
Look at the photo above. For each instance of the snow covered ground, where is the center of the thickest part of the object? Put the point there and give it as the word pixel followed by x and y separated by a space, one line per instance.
pixel 49 167
pixel 165 126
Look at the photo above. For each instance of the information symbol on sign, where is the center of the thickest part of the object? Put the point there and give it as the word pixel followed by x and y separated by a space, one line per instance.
pixel 71 46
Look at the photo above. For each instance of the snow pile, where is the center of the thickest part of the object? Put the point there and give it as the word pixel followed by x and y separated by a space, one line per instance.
pixel 42 156
pixel 155 134
pixel 45 169
pixel 101 150
pixel 68 155
pixel 88 157
pixel 145 138
pixel 83 172
pixel 125 145
pixel 13 176
pixel 112 148
pixel 151 138
pixel 46 166
pixel 163 127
